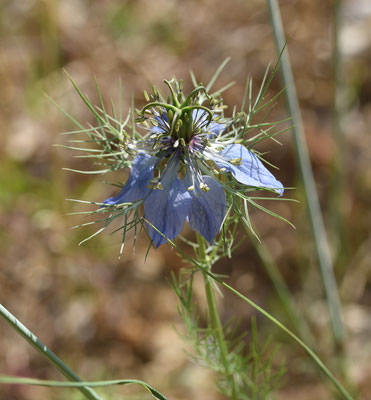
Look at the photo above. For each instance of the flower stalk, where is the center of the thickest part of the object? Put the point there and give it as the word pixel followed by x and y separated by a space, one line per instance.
pixel 214 317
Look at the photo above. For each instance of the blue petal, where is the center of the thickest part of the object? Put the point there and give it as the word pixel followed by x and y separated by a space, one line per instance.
pixel 157 129
pixel 199 116
pixel 162 126
pixel 207 209
pixel 141 173
pixel 215 129
pixel 251 171
pixel 167 208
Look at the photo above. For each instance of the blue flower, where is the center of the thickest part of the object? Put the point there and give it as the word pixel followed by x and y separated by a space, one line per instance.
pixel 183 167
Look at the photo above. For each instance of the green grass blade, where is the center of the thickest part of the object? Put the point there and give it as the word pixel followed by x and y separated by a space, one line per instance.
pixel 301 149
pixel 217 73
pixel 41 382
pixel 282 290
pixel 46 353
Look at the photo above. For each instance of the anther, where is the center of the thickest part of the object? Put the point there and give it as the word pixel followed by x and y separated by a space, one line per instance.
pixel 178 125
pixel 146 95
pixel 236 161
pixel 155 92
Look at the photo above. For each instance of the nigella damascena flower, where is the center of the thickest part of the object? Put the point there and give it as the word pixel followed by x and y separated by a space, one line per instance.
pixel 185 164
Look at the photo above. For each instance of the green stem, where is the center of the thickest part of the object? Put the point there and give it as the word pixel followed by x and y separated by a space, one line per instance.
pixel 173 94
pixel 159 104
pixel 214 315
pixel 194 91
pixel 318 228
pixel 48 354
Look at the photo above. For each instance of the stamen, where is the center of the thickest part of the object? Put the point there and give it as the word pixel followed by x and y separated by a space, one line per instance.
pixel 146 96
pixel 204 187
pixel 236 161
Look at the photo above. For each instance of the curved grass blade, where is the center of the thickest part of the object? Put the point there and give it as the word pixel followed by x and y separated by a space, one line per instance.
pixel 45 352
pixel 40 382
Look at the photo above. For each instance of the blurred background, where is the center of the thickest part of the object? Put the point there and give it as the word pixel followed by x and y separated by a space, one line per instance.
pixel 110 318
